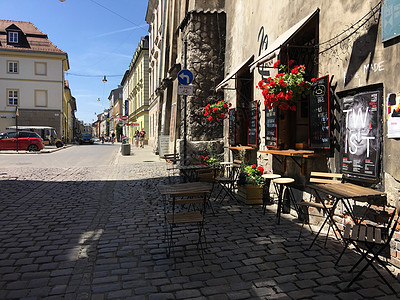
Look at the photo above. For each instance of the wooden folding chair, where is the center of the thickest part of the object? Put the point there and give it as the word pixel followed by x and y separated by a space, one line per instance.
pixel 376 239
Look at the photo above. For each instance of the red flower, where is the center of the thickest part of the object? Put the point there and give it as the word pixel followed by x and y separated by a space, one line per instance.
pixel 222 115
pixel 272 83
pixel 313 80
pixel 261 83
pixel 261 170
pixel 276 64
pixel 253 166
pixel 295 71
pixel 215 108
pixel 209 119
pixel 282 82
pixel 291 61
pixel 284 106
pixel 293 107
pixel 206 157
pixel 301 83
pixel 224 105
pixel 288 96
pixel 229 104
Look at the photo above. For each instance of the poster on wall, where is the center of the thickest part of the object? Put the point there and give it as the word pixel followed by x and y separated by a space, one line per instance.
pixel 361 135
pixel 394 115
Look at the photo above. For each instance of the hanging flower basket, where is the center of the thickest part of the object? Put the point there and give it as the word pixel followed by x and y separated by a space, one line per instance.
pixel 287 88
pixel 217 111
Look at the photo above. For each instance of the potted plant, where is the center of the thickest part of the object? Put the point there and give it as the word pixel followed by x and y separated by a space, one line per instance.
pixel 217 111
pixel 250 184
pixel 286 88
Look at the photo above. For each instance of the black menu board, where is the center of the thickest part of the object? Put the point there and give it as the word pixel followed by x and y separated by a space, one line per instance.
pixel 271 128
pixel 252 137
pixel 232 127
pixel 320 125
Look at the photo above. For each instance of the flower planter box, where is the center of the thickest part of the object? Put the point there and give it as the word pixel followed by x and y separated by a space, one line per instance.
pixel 251 194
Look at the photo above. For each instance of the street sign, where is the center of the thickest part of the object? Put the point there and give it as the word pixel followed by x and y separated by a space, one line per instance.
pixel 185 77
pixel 124 118
pixel 185 90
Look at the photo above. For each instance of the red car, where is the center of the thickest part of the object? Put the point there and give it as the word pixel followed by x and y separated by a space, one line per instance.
pixel 27 140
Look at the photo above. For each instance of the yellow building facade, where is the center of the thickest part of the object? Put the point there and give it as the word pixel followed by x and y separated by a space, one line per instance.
pixel 138 90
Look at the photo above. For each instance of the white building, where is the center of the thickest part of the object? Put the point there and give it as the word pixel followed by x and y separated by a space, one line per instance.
pixel 31 77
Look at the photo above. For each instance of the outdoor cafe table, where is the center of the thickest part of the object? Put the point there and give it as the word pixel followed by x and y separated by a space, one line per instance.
pixel 189 172
pixel 345 192
pixel 295 155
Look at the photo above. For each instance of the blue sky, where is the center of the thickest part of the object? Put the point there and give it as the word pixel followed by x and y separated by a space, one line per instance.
pixel 100 37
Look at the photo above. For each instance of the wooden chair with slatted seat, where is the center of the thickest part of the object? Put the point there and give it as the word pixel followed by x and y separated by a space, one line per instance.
pixel 325 205
pixel 376 239
pixel 191 219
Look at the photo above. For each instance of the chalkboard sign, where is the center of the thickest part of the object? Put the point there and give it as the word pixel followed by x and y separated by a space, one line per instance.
pixel 232 127
pixel 252 137
pixel 271 128
pixel 320 125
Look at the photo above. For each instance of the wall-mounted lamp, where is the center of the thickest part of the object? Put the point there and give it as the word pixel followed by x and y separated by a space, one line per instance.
pixel 104 79
pixel 98 99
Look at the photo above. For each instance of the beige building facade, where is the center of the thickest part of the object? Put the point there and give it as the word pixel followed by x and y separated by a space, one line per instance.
pixel 31 77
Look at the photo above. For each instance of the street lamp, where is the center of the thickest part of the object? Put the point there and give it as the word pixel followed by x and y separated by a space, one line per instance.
pixel 104 79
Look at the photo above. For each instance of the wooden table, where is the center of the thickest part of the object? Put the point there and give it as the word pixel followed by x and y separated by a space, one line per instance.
pixel 344 192
pixel 185 189
pixel 302 154
pixel 189 172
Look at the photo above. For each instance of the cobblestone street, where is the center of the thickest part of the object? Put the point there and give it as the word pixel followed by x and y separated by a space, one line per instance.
pixel 97 233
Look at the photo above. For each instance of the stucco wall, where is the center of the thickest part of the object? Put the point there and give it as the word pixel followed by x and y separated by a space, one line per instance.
pixel 353 59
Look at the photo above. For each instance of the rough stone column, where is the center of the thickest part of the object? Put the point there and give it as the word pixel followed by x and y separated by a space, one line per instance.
pixel 205 36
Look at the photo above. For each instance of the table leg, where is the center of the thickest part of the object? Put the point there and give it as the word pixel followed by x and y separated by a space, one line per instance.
pixel 280 200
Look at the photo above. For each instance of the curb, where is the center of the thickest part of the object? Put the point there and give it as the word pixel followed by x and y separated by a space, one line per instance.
pixel 43 151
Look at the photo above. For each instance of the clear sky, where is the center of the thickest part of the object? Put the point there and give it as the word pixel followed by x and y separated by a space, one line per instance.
pixel 99 36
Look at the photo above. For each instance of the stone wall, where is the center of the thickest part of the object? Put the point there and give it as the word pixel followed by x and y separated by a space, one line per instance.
pixel 205 36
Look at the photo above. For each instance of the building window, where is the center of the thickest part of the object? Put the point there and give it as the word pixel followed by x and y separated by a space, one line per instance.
pixel 41 98
pixel 12 97
pixel 40 68
pixel 12 67
pixel 13 37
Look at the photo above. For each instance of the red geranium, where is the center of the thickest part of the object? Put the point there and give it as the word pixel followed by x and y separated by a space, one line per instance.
pixel 217 111
pixel 288 87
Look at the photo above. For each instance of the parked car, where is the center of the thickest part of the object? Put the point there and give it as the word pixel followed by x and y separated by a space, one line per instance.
pixel 86 138
pixel 27 140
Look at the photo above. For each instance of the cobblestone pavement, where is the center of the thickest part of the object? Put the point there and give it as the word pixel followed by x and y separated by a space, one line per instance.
pixel 97 233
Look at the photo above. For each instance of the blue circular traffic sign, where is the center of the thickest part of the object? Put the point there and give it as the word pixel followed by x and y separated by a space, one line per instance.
pixel 185 77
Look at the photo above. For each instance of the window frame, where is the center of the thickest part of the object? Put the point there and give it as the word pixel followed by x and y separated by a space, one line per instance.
pixel 46 95
pixel 15 62
pixel 13 37
pixel 17 97
pixel 36 68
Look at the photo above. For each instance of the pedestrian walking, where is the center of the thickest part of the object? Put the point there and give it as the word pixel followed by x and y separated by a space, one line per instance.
pixel 112 137
pixel 142 135
pixel 136 138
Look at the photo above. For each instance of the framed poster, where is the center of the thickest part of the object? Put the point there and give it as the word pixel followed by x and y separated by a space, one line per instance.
pixel 252 131
pixel 320 123
pixel 393 121
pixel 271 128
pixel 232 127
pixel 361 131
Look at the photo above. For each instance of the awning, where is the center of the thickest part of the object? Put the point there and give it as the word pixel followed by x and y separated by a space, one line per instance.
pixel 233 73
pixel 274 49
